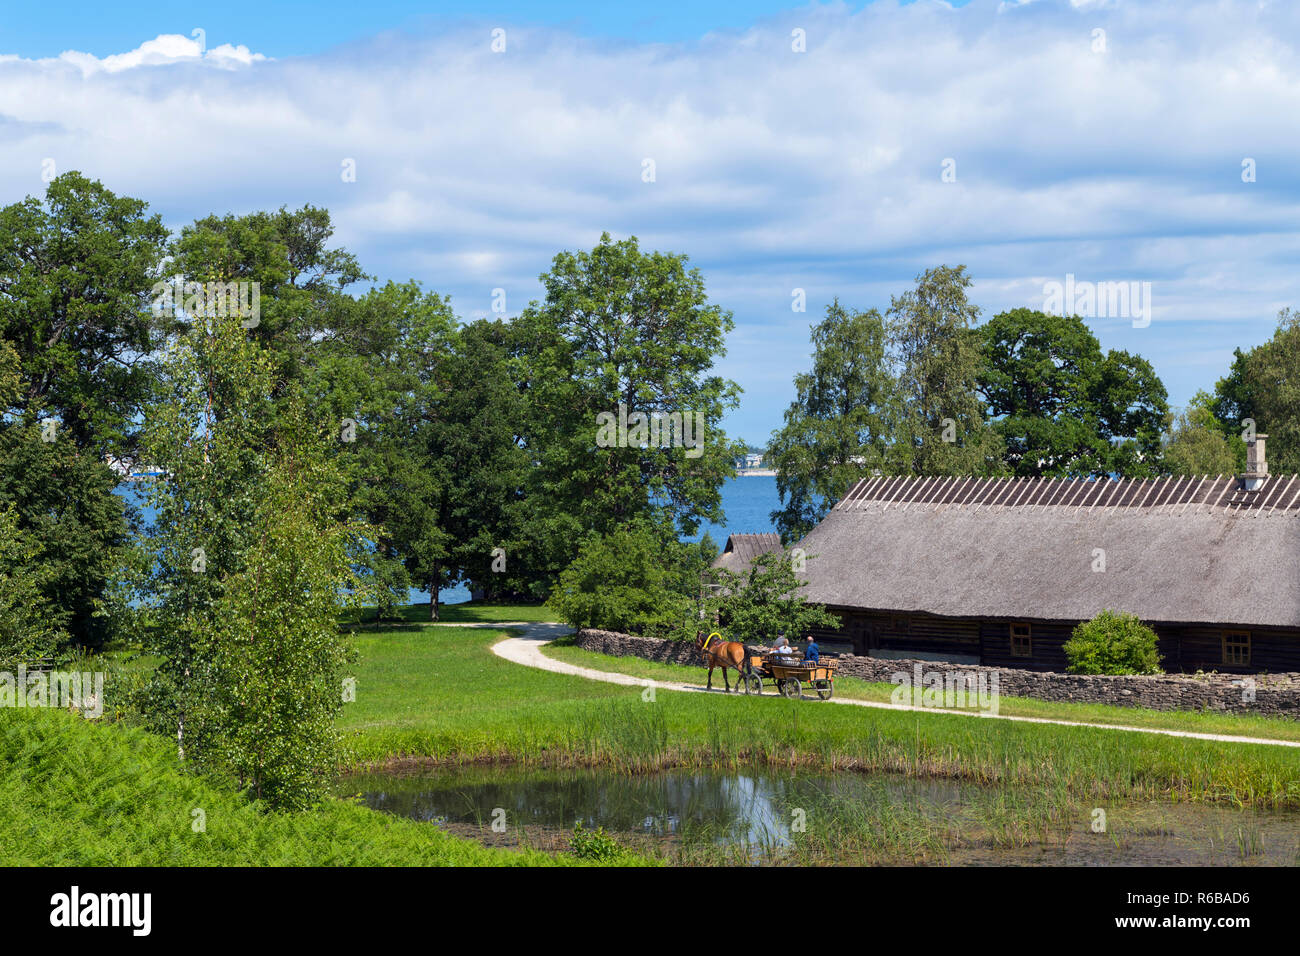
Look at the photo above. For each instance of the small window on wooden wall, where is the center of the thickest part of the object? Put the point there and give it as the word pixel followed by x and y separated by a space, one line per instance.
pixel 1022 642
pixel 1236 647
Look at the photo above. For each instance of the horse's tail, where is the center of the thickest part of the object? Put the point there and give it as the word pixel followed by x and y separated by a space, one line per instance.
pixel 746 667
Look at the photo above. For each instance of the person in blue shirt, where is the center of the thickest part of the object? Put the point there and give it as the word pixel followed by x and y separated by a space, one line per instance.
pixel 812 654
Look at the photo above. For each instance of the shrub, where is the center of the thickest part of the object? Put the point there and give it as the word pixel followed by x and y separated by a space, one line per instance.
pixel 763 601
pixel 637 580
pixel 1112 643
pixel 595 845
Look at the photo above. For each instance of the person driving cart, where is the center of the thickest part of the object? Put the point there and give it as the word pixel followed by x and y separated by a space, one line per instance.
pixel 811 653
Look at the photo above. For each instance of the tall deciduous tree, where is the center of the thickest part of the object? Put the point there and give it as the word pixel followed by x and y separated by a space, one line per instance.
pixel 76 270
pixel 252 553
pixel 840 424
pixel 1061 406
pixel 382 368
pixel 300 277
pixel 1195 443
pixel 941 428
pixel 1235 404
pixel 623 333
pixel 277 658
pixel 1273 384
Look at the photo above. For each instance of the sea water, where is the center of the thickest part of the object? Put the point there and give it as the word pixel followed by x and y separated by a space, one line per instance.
pixel 747 503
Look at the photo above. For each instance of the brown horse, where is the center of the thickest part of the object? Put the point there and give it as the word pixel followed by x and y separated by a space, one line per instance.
pixel 724 654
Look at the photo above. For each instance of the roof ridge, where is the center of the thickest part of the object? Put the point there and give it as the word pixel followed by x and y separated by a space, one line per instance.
pixel 1168 494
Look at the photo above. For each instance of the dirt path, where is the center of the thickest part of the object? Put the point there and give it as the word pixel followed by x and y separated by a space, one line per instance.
pixel 527 650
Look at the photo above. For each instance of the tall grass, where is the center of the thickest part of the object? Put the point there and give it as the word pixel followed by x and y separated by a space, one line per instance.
pixel 73 793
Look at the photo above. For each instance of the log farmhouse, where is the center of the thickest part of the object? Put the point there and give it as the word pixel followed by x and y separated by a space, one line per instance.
pixel 998 571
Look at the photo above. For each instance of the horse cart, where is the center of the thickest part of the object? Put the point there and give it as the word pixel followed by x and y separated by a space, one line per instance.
pixel 790 676
pixel 786 672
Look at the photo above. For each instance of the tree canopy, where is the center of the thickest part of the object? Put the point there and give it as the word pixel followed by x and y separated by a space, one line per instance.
pixel 1061 405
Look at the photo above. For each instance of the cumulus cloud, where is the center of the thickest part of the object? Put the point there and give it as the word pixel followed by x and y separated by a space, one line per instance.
pixel 164 49
pixel 1106 140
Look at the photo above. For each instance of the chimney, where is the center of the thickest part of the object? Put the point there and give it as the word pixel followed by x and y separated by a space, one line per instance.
pixel 1256 464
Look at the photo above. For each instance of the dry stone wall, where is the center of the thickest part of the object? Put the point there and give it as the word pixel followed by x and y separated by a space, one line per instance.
pixel 1261 694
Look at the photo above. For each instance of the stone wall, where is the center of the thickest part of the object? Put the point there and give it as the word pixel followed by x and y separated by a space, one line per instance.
pixel 1274 694
pixel 627 645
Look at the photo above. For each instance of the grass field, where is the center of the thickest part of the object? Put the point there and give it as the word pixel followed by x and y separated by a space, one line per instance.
pixel 438 694
pixel 1205 722
pixel 103 793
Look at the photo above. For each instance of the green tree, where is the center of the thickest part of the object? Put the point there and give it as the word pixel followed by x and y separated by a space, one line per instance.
pixel 622 331
pixel 839 426
pixel 941 428
pixel 1194 443
pixel 253 550
pixel 1273 380
pixel 636 580
pixel 300 278
pixel 1112 643
pixel 1234 403
pixel 28 633
pixel 209 429
pixel 383 367
pixel 1061 406
pixel 76 271
pixel 763 601
pixel 479 434
pixel 277 658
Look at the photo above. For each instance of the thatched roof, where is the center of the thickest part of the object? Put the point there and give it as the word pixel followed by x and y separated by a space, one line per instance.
pixel 742 549
pixel 1176 549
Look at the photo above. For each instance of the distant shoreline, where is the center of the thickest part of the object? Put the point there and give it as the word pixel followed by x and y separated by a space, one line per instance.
pixel 756 473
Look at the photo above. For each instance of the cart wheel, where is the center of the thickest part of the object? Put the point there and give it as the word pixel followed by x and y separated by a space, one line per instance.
pixel 791 688
pixel 753 684
pixel 824 689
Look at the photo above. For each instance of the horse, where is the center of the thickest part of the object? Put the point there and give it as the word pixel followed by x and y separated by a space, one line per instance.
pixel 724 654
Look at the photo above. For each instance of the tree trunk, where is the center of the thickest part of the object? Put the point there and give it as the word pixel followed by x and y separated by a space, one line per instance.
pixel 433 599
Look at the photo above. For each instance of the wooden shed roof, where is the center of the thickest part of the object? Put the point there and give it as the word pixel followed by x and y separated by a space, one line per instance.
pixel 1190 549
pixel 742 549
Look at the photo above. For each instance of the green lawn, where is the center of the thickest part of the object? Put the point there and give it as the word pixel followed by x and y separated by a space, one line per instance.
pixel 1206 722
pixel 438 694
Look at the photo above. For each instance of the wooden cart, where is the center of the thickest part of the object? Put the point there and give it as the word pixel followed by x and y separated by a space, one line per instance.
pixel 790 676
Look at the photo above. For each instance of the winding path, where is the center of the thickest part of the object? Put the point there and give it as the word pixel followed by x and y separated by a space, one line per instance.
pixel 527 650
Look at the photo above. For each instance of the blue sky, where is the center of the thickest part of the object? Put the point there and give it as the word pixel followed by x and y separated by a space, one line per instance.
pixel 302 27
pixel 1102 139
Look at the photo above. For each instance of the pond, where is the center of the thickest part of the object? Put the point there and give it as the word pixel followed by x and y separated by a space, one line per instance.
pixel 763 818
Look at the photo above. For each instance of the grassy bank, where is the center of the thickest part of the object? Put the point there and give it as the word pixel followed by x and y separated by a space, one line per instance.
pixel 75 793
pixel 438 694
pixel 1201 722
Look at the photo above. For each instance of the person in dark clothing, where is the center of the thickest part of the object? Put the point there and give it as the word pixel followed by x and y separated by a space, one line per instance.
pixel 812 654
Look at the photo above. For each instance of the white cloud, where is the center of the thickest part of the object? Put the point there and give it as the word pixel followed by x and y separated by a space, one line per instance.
pixel 773 168
pixel 165 49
